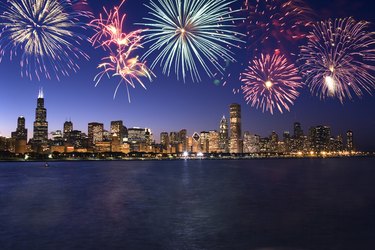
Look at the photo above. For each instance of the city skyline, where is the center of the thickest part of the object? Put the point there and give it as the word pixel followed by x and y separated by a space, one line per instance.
pixel 169 104
pixel 119 138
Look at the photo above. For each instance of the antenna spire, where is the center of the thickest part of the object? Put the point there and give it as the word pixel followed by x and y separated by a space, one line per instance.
pixel 41 94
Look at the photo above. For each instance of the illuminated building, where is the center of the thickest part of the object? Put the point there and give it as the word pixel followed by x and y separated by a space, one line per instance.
pixel 7 144
pixel 349 140
pixel 204 142
pixel 213 141
pixel 40 137
pixel 183 140
pixel 78 140
pixel 139 138
pixel 68 128
pixel 173 138
pixel 115 142
pixel 250 143
pixel 95 133
pixel 118 128
pixel 274 142
pixel 164 139
pixel 106 135
pixel 102 147
pixel 235 143
pixel 149 137
pixel 287 142
pixel 195 143
pixel 265 145
pixel 137 135
pixel 298 140
pixel 57 138
pixel 321 138
pixel 223 134
pixel 339 143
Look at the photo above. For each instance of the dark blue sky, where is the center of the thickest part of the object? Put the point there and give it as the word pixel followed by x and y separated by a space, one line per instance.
pixel 170 105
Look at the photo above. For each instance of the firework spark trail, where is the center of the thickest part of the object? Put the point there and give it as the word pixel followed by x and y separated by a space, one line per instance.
pixel 276 22
pixel 189 35
pixel 120 46
pixel 271 82
pixel 47 34
pixel 339 59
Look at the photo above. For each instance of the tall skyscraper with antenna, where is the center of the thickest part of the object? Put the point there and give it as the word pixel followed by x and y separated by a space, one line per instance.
pixel 40 136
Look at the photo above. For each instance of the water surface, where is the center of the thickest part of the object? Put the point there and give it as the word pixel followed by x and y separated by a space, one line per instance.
pixel 253 204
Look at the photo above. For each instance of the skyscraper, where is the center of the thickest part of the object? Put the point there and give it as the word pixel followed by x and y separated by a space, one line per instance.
pixel 21 131
pixel 298 132
pixel 274 140
pixel 223 135
pixel 20 136
pixel 235 143
pixel 40 137
pixel 349 140
pixel 95 133
pixel 213 141
pixel 183 139
pixel 68 128
pixel 250 143
pixel 322 138
pixel 164 140
pixel 117 129
pixel 298 138
pixel 204 141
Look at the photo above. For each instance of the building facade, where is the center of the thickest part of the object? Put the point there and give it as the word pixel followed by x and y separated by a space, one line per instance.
pixel 40 136
pixel 223 135
pixel 235 142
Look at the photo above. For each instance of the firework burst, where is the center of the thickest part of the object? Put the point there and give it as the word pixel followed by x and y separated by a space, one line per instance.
pixel 191 34
pixel 120 46
pixel 45 33
pixel 271 82
pixel 276 22
pixel 339 59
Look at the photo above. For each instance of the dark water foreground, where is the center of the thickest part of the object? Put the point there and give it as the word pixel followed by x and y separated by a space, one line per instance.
pixel 255 204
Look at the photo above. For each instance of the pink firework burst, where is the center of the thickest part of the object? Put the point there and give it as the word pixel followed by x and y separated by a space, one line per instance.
pixel 271 82
pixel 120 46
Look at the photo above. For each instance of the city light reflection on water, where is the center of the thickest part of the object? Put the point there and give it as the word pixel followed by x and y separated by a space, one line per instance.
pixel 188 204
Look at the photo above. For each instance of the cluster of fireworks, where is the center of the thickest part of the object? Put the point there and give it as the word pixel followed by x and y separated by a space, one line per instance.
pixel 190 37
pixel 45 34
pixel 120 46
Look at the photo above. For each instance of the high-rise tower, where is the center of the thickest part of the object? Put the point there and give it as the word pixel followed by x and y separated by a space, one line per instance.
pixel 40 136
pixel 21 131
pixel 68 128
pixel 223 135
pixel 20 136
pixel 95 133
pixel 349 140
pixel 235 143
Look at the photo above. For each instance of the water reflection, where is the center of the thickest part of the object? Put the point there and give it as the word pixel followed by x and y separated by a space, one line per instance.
pixel 193 204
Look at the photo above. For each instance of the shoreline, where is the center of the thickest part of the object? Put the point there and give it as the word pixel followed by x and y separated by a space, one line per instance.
pixel 234 158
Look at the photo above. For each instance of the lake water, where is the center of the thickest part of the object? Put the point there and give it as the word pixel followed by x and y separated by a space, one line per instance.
pixel 253 204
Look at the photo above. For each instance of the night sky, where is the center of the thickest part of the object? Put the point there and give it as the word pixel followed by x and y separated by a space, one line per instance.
pixel 169 104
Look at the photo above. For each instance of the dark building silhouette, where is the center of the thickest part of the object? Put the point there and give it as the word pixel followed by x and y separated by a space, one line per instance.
pixel 20 136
